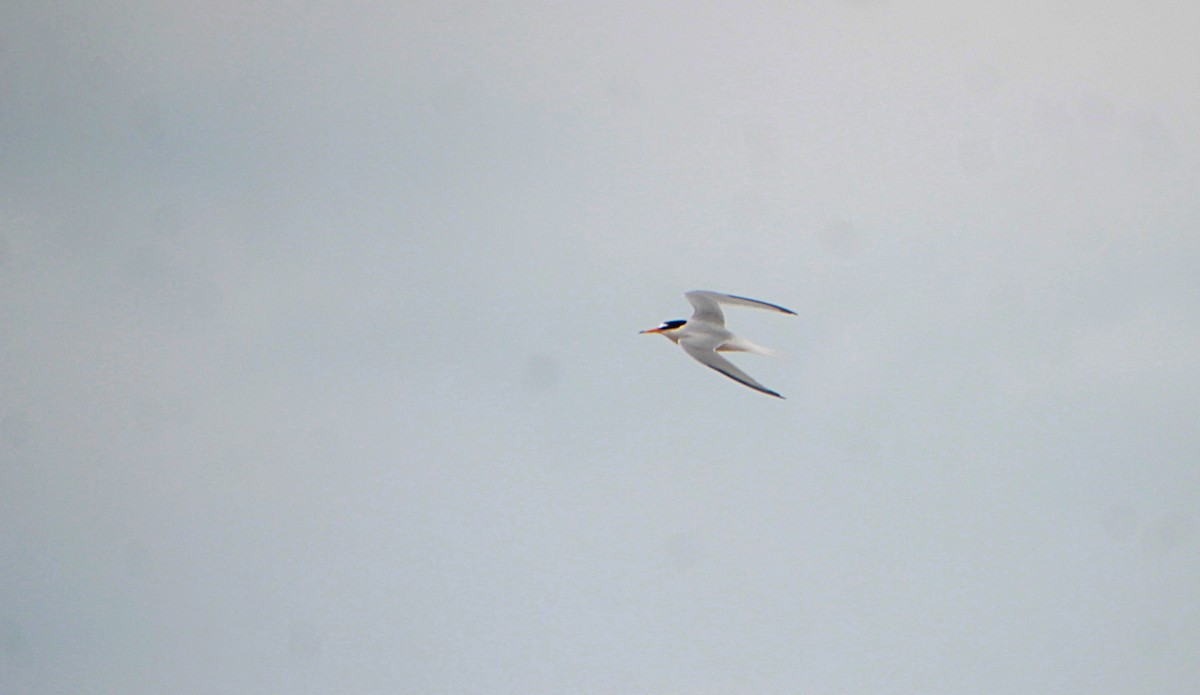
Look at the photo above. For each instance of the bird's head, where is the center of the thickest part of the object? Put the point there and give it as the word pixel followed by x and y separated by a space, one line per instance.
pixel 666 327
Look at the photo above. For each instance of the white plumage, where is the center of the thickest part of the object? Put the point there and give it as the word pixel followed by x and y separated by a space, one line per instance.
pixel 704 335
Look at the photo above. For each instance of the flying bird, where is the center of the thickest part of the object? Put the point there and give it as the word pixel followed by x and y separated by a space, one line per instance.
pixel 704 335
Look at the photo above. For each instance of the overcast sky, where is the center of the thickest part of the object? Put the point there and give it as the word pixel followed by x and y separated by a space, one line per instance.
pixel 320 373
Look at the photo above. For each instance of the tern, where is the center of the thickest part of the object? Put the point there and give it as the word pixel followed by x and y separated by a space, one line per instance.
pixel 704 335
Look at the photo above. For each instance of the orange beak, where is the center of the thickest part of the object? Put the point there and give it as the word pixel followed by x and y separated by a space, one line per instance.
pixel 651 330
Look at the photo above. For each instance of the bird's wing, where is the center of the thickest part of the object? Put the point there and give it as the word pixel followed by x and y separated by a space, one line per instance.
pixel 708 305
pixel 704 352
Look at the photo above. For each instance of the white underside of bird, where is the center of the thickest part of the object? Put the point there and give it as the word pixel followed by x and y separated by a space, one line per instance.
pixel 704 335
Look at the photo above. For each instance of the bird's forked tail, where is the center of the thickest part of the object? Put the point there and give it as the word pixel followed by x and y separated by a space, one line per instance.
pixel 742 345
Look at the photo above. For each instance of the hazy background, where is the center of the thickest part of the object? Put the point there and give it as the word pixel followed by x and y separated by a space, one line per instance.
pixel 320 369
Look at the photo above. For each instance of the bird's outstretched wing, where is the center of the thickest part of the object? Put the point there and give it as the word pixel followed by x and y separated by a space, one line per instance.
pixel 704 352
pixel 708 305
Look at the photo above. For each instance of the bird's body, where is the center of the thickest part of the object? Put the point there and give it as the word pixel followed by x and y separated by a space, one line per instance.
pixel 704 335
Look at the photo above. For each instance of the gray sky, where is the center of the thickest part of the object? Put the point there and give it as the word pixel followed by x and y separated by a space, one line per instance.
pixel 320 369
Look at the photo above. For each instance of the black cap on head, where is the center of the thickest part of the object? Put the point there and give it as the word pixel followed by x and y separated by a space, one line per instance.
pixel 673 324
